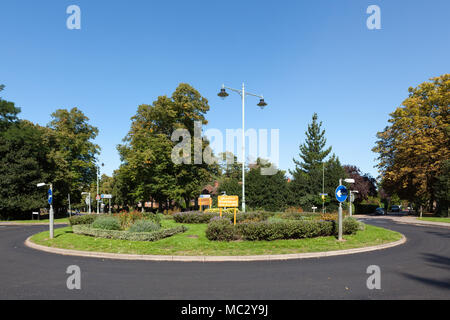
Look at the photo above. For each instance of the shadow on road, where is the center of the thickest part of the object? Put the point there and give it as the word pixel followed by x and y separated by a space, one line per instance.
pixel 443 284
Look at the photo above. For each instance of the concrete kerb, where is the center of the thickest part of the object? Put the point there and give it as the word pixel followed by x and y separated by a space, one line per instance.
pixel 278 257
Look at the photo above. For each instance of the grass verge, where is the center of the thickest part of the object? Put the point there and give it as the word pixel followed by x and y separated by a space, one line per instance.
pixel 435 219
pixel 194 242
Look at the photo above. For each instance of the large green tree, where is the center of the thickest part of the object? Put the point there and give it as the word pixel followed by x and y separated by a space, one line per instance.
pixel 414 146
pixel 147 151
pixel 311 167
pixel 73 152
pixel 23 163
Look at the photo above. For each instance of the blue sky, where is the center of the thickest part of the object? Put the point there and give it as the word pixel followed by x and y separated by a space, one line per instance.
pixel 304 56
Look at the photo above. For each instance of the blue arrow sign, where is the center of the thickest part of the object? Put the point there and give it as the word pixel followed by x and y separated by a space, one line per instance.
pixel 341 193
pixel 50 196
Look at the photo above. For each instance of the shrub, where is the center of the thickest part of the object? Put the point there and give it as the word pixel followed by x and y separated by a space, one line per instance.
pixel 299 216
pixel 106 223
pixel 144 226
pixel 127 219
pixel 85 219
pixel 221 229
pixel 156 218
pixel 276 230
pixel 126 235
pixel 351 225
pixel 194 217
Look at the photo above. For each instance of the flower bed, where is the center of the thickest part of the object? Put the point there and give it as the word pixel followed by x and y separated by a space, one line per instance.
pixel 127 235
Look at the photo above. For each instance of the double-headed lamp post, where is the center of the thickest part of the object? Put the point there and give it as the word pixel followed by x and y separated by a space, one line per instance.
pixel 223 94
pixel 51 206
pixel 350 200
pixel 340 209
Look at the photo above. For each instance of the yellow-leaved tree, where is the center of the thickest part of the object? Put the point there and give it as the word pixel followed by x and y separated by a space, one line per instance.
pixel 414 147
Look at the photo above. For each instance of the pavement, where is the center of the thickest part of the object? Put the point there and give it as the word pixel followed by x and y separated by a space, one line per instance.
pixel 419 269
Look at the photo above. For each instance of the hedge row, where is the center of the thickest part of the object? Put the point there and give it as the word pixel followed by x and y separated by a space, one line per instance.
pixel 205 217
pixel 223 230
pixel 126 235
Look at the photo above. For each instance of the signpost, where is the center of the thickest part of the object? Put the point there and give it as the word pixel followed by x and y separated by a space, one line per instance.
pixel 341 196
pixel 228 202
pixel 203 201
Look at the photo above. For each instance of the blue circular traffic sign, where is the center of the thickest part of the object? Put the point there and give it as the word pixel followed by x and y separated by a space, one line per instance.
pixel 341 193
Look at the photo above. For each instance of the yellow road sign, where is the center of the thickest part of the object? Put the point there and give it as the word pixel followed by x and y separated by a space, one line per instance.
pixel 228 201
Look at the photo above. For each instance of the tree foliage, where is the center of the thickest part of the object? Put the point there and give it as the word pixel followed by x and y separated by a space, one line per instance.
pixel 413 147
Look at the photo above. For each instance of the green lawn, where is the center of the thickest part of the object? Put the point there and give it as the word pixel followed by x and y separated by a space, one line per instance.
pixel 436 219
pixel 194 242
pixel 61 220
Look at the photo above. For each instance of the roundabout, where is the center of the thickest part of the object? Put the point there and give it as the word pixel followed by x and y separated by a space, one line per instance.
pixel 418 269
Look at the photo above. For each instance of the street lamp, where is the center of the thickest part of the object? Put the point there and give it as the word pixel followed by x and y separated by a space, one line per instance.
pixel 50 201
pixel 98 195
pixel 223 94
pixel 88 198
pixel 351 200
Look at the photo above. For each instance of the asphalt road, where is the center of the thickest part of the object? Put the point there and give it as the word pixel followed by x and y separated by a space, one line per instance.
pixel 419 269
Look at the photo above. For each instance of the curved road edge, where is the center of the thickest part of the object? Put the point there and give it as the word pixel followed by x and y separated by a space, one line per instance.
pixel 278 257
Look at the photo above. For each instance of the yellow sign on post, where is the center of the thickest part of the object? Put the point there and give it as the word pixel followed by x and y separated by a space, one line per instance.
pixel 204 202
pixel 228 202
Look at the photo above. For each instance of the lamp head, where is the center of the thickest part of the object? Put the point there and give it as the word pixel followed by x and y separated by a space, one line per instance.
pixel 41 184
pixel 223 93
pixel 262 103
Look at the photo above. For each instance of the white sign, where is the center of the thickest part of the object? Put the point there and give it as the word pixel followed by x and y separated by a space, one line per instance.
pixel 106 196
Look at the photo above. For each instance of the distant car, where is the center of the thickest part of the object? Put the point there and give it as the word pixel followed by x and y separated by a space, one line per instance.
pixel 395 209
pixel 380 211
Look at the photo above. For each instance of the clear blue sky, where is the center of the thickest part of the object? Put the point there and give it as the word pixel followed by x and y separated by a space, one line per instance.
pixel 304 56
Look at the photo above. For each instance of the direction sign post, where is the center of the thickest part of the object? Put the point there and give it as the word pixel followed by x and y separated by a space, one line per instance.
pixel 341 196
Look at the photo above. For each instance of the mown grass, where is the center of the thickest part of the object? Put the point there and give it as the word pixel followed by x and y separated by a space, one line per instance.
pixel 436 219
pixel 194 242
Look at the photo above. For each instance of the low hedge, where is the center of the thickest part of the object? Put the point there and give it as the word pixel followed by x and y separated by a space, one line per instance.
pixel 205 217
pixel 126 235
pixel 223 230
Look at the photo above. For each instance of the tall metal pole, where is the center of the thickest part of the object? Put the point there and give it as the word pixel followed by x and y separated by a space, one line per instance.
pixel 70 211
pixel 98 202
pixel 90 211
pixel 51 214
pixel 323 187
pixel 350 204
pixel 243 147
pixel 340 216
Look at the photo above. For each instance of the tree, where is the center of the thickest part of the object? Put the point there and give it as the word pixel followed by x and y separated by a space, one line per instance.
pixel 23 163
pixel 365 184
pixel 267 192
pixel 413 148
pixel 307 176
pixel 73 152
pixel 146 153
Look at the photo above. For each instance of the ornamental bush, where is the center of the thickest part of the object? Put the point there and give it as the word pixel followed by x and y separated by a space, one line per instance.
pixel 107 223
pixel 144 226
pixel 221 229
pixel 126 235
pixel 194 217
pixel 277 229
pixel 85 219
